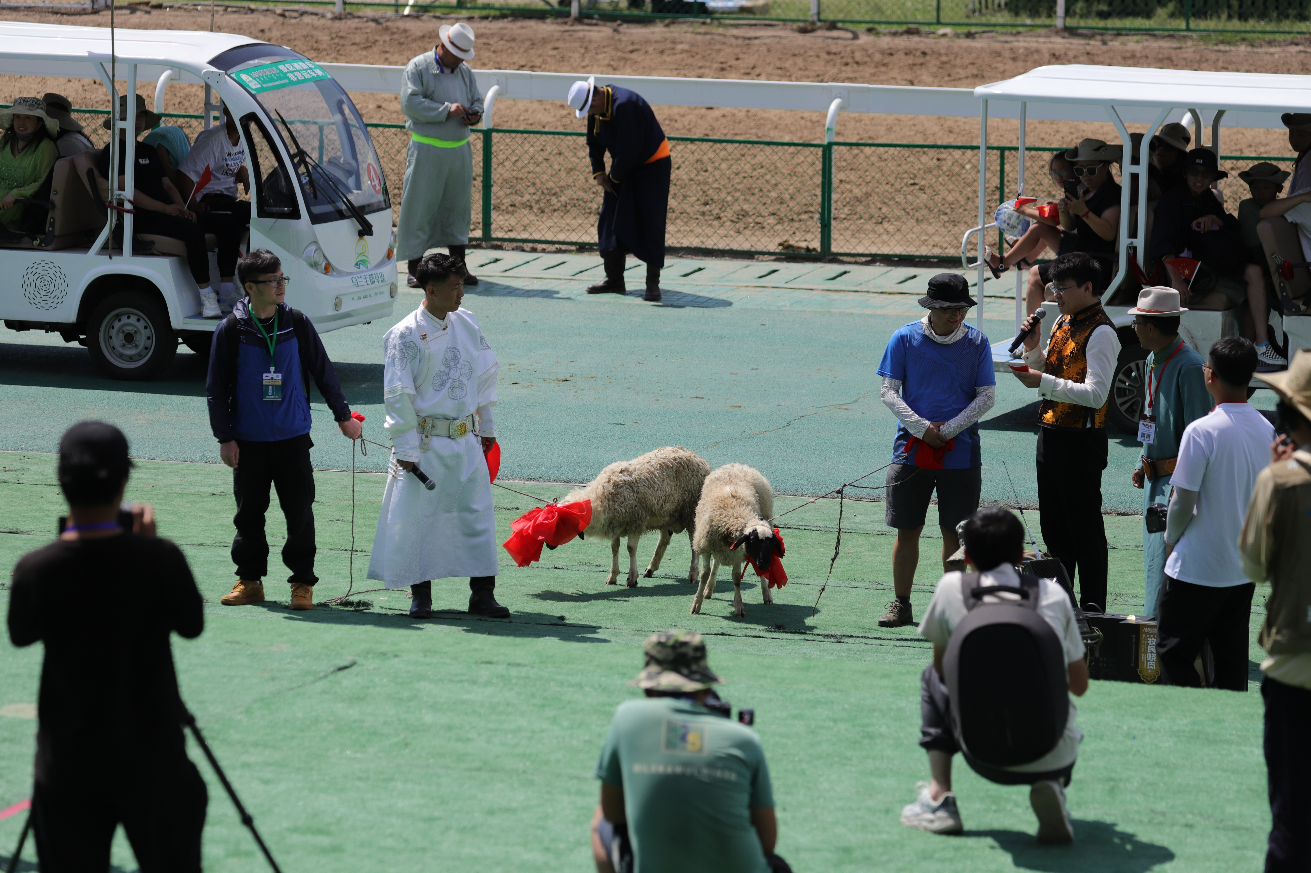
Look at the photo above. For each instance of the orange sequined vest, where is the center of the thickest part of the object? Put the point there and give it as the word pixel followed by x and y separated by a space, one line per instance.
pixel 1067 359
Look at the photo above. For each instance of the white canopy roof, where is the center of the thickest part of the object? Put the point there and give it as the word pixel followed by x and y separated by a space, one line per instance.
pixel 1143 87
pixel 47 49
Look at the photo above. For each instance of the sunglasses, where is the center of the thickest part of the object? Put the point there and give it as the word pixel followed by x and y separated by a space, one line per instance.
pixel 1087 171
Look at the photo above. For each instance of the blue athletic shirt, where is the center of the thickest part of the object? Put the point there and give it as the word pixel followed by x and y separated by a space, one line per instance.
pixel 938 382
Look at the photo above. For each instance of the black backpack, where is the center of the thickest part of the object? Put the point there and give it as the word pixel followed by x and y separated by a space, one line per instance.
pixel 1006 676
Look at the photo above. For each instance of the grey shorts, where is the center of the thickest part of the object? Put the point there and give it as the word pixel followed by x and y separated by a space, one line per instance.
pixel 910 489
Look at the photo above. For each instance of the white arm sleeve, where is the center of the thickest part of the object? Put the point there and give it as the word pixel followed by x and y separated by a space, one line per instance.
pixel 890 394
pixel 1103 350
pixel 1183 503
pixel 985 396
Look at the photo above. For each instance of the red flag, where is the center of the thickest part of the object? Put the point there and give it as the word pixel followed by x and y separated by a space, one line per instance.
pixel 493 456
pixel 1024 201
pixel 552 525
pixel 1138 272
pixel 1187 267
pixel 200 183
pixel 774 574
pixel 924 455
pixel 1049 211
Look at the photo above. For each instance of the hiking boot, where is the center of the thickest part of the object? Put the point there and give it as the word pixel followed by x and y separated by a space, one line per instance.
pixel 1048 801
pixel 302 596
pixel 244 593
pixel 1268 360
pixel 482 600
pixel 935 816
pixel 421 600
pixel 898 615
pixel 210 303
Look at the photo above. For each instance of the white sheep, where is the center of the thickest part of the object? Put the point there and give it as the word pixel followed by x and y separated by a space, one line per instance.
pixel 732 520
pixel 655 491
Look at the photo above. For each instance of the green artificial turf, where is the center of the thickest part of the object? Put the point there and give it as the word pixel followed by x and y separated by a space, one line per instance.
pixel 363 740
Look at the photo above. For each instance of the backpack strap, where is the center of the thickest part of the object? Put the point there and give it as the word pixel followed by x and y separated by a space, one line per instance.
pixel 233 328
pixel 968 582
pixel 301 330
pixel 1028 583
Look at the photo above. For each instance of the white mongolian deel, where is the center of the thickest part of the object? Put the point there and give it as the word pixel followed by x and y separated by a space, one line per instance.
pixel 80 271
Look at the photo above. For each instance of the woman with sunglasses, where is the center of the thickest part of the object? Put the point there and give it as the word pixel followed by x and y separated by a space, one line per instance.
pixel 1043 234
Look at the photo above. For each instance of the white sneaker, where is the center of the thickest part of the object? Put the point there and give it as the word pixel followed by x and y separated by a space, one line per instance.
pixel 209 300
pixel 1268 360
pixel 1048 802
pixel 935 816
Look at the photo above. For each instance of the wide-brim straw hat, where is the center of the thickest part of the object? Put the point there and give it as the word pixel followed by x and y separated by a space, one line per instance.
pixel 1297 121
pixel 29 106
pixel 675 661
pixel 1175 134
pixel 580 96
pixel 60 108
pixel 1158 301
pixel 1294 384
pixel 458 39
pixel 1264 172
pixel 151 118
pixel 1094 150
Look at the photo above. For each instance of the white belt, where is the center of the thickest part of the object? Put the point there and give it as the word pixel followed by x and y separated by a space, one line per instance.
pixel 445 427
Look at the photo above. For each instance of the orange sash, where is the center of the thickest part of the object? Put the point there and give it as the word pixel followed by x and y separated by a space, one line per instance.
pixel 662 152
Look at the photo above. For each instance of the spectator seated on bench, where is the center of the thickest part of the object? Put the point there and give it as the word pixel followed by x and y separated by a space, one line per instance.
pixel 1285 227
pixel 1004 659
pixel 1265 181
pixel 1168 150
pixel 27 154
pixel 1043 233
pixel 70 139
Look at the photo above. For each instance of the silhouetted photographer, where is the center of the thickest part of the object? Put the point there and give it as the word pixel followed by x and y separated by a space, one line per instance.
pixel 104 599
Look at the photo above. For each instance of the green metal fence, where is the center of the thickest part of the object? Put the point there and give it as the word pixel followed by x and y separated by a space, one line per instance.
pixel 808 200
pixel 1162 16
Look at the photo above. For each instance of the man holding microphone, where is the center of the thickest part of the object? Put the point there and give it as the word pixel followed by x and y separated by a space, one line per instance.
pixel 1073 378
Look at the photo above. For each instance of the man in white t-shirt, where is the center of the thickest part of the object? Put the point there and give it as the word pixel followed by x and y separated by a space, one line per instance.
pixel 994 544
pixel 220 150
pixel 1207 596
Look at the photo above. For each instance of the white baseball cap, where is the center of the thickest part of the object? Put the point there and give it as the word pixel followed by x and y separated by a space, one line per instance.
pixel 458 40
pixel 580 96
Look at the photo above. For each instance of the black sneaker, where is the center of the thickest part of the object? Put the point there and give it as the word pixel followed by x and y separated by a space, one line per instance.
pixel 898 615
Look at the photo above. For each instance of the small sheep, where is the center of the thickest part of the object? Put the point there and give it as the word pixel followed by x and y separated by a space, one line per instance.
pixel 732 521
pixel 655 491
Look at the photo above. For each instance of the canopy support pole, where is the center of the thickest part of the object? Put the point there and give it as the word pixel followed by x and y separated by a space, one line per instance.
pixel 1021 276
pixel 1122 266
pixel 983 203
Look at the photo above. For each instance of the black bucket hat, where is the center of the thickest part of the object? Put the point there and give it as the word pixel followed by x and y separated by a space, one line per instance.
pixel 947 290
pixel 1205 158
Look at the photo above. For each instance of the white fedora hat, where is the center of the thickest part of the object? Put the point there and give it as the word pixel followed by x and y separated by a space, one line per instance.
pixel 1158 301
pixel 458 40
pixel 580 96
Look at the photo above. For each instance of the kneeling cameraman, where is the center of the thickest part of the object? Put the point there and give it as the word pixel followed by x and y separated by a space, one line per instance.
pixel 683 788
pixel 109 744
pixel 994 544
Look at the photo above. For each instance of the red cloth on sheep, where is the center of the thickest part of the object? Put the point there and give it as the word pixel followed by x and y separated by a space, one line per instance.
pixel 774 574
pixel 926 456
pixel 552 525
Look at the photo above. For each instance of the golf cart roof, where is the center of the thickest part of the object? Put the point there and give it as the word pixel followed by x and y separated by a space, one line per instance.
pixel 47 49
pixel 1145 87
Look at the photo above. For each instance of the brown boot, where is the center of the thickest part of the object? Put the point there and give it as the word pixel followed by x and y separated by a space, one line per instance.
pixel 457 252
pixel 302 596
pixel 244 593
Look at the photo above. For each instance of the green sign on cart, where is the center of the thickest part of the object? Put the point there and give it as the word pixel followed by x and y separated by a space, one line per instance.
pixel 282 74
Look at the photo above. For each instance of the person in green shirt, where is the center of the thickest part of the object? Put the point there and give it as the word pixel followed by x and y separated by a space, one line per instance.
pixel 683 788
pixel 27 154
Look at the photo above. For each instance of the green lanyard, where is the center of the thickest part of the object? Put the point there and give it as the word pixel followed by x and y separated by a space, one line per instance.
pixel 271 340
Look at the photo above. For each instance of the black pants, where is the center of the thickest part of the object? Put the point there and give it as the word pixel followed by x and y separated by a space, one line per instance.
pixel 161 810
pixel 1288 763
pixel 1070 465
pixel 284 464
pixel 191 234
pixel 227 219
pixel 1191 615
pixel 635 218
pixel 936 735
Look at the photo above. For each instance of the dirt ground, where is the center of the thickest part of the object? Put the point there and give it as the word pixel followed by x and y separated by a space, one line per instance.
pixel 744 51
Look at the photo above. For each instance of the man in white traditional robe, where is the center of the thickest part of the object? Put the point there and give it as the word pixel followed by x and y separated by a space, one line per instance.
pixel 439 388
pixel 441 101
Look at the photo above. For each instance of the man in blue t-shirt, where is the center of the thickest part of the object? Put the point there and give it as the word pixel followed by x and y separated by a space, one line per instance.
pixel 938 381
pixel 683 788
pixel 260 363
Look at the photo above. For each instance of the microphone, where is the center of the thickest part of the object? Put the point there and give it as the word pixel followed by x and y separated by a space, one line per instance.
pixel 419 474
pixel 1039 314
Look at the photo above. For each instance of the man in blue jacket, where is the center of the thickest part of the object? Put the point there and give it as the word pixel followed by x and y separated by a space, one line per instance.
pixel 259 368
pixel 636 200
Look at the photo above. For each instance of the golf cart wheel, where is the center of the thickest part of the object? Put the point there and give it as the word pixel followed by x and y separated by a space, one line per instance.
pixel 198 341
pixel 130 337
pixel 1128 388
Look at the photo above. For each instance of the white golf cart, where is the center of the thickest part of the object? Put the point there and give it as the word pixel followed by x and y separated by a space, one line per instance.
pixel 1133 95
pixel 80 271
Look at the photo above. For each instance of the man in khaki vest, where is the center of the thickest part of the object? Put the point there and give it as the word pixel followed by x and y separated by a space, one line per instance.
pixel 1276 547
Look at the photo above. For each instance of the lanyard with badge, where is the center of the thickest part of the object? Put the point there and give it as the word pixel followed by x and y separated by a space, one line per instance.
pixel 1147 421
pixel 272 387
